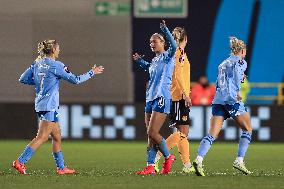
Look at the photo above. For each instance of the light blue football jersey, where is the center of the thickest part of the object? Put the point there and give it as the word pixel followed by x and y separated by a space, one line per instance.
pixel 230 75
pixel 160 70
pixel 45 74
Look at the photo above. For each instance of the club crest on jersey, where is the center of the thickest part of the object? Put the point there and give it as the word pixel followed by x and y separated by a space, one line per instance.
pixel 241 62
pixel 66 69
pixel 181 59
pixel 184 118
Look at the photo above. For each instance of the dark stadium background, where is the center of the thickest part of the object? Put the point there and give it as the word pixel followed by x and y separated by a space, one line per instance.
pixel 108 38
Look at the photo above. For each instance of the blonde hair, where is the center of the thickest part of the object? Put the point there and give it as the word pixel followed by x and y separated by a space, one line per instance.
pixel 45 48
pixel 236 45
pixel 179 34
pixel 160 37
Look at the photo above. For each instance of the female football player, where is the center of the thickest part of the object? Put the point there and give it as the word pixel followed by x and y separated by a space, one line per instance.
pixel 228 103
pixel 181 102
pixel 158 97
pixel 45 73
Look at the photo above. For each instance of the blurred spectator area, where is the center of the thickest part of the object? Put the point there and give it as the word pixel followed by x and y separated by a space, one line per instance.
pixel 202 92
pixel 263 93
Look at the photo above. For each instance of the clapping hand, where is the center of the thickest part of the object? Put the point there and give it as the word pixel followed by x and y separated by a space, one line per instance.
pixel 98 69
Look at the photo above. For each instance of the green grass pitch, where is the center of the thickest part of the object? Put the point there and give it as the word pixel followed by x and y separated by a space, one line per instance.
pixel 113 165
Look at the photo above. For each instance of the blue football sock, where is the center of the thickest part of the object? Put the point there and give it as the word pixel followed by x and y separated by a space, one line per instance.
pixel 59 159
pixel 163 148
pixel 151 152
pixel 205 145
pixel 26 155
pixel 244 143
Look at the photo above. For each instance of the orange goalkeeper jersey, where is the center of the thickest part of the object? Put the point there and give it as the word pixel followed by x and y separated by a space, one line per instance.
pixel 181 76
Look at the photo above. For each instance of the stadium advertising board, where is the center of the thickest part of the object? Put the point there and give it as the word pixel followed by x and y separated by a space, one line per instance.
pixel 126 122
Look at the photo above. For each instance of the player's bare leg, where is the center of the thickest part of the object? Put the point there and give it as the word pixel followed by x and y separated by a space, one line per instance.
pixel 45 128
pixel 243 121
pixel 149 169
pixel 216 123
pixel 57 152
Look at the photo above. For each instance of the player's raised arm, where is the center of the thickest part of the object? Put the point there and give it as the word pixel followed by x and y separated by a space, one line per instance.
pixel 63 72
pixel 28 77
pixel 173 46
pixel 141 62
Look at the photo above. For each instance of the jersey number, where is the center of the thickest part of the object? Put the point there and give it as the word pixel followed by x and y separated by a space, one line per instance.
pixel 42 77
pixel 222 79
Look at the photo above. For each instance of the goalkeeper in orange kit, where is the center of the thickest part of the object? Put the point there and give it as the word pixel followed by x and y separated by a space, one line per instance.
pixel 181 102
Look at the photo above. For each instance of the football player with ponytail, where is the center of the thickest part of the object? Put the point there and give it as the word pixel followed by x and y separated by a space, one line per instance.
pixel 45 74
pixel 158 97
pixel 228 103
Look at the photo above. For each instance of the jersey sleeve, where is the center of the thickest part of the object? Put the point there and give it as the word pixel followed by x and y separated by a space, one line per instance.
pixel 179 66
pixel 28 76
pixel 143 64
pixel 240 68
pixel 173 46
pixel 62 71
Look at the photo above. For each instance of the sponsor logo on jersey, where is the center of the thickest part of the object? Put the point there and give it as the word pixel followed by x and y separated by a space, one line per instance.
pixel 44 66
pixel 66 69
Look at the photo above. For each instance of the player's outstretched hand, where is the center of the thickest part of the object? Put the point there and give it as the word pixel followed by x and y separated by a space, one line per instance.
pixel 136 56
pixel 163 23
pixel 98 69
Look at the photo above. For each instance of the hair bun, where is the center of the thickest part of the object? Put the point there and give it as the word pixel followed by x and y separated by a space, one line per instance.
pixel 40 47
pixel 236 45
pixel 176 34
pixel 233 41
pixel 179 34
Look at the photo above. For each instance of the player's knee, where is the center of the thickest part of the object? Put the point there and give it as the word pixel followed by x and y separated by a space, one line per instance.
pixel 184 132
pixel 183 129
pixel 42 138
pixel 56 139
pixel 152 134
